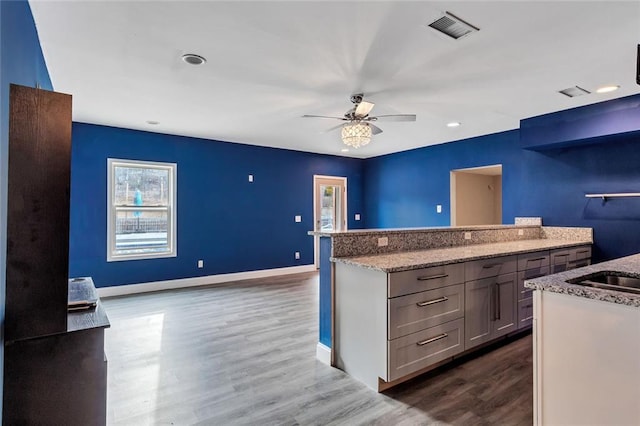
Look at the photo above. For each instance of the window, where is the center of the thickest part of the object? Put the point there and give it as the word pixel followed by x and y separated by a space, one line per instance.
pixel 141 218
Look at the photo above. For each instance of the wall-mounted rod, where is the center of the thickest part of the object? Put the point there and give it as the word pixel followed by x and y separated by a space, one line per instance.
pixel 613 195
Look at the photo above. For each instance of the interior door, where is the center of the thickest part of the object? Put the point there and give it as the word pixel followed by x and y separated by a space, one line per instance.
pixel 330 206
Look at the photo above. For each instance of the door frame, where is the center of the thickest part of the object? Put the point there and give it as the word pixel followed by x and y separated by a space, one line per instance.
pixel 341 180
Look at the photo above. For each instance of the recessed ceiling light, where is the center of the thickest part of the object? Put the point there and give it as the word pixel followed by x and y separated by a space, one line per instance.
pixel 153 122
pixel 345 150
pixel 453 124
pixel 193 59
pixel 607 89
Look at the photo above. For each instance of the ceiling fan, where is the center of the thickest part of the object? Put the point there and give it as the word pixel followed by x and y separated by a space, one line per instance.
pixel 357 126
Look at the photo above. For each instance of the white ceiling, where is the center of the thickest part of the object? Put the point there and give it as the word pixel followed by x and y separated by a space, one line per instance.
pixel 271 62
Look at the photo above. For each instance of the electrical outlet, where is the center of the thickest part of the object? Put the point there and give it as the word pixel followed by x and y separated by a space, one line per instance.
pixel 467 235
pixel 520 231
pixel 383 241
pixel 439 208
pixel 200 264
pixel 357 216
pixel 298 218
pixel 250 178
pixel 297 255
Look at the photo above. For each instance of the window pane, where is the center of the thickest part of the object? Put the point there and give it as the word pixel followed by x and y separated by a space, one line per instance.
pixel 139 232
pixel 141 186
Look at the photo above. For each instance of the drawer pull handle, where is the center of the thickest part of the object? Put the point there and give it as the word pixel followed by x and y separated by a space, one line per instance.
pixel 432 277
pixel 433 339
pixel 528 306
pixel 431 302
pixel 493 265
pixel 562 255
pixel 536 259
pixel 582 251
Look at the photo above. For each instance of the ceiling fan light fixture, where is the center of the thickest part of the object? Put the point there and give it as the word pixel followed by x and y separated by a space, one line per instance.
pixel 356 134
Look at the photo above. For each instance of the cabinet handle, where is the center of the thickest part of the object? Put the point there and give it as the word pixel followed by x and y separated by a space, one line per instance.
pixel 536 259
pixel 582 251
pixel 499 314
pixel 433 339
pixel 431 302
pixel 493 265
pixel 432 277
pixel 562 255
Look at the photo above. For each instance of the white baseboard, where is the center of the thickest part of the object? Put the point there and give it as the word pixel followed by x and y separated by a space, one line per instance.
pixel 122 290
pixel 323 354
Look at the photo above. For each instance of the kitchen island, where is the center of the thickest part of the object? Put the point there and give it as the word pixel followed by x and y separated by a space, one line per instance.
pixel 586 346
pixel 398 311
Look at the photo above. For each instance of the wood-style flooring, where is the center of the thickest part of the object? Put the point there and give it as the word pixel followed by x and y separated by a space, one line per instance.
pixel 244 354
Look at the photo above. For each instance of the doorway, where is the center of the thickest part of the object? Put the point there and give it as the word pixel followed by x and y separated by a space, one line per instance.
pixel 329 206
pixel 476 196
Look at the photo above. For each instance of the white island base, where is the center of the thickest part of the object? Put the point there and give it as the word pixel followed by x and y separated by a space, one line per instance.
pixel 586 361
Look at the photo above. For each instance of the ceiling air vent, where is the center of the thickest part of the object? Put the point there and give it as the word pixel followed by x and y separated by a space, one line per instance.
pixel 574 91
pixel 453 26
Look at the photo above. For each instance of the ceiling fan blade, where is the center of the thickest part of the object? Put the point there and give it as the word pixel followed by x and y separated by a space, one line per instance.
pixel 375 129
pixel 332 128
pixel 363 109
pixel 396 117
pixel 323 116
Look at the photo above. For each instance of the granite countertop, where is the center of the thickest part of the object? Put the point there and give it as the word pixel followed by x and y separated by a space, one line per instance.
pixel 376 231
pixel 557 283
pixel 404 261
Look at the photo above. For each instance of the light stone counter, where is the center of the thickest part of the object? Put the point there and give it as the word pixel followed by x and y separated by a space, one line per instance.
pixel 403 261
pixel 557 283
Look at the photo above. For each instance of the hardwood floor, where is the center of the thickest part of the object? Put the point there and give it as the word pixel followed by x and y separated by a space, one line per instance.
pixel 244 353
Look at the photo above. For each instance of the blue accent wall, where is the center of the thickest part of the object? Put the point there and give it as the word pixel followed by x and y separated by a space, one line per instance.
pixel 21 62
pixel 230 223
pixel 403 189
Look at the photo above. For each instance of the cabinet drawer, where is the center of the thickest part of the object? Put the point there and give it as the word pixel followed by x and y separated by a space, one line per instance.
pixel 536 260
pixel 583 252
pixel 419 350
pixel 417 280
pixel 485 268
pixel 525 313
pixel 415 312
pixel 523 292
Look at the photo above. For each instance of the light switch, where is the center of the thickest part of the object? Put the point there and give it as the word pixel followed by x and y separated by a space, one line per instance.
pixel 383 241
pixel 298 218
pixel 250 178
pixel 467 235
pixel 200 263
pixel 357 216
pixel 520 231
pixel 297 255
pixel 439 208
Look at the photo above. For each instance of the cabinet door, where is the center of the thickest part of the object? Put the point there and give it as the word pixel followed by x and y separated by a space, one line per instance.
pixel 478 312
pixel 505 317
pixel 37 213
pixel 559 260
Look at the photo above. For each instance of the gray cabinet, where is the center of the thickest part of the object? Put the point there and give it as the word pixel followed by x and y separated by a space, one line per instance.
pixel 570 258
pixel 490 308
pixel 530 265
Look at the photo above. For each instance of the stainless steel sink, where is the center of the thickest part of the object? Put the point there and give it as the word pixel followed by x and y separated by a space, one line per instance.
pixel 618 281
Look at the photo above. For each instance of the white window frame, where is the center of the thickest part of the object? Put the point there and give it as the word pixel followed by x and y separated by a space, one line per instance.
pixel 112 209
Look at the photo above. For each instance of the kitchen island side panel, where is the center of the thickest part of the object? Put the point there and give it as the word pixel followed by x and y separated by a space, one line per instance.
pixel 361 323
pixel 586 361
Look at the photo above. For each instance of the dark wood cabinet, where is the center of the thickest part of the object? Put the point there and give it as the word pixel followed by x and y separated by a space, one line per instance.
pixel 55 370
pixel 37 212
